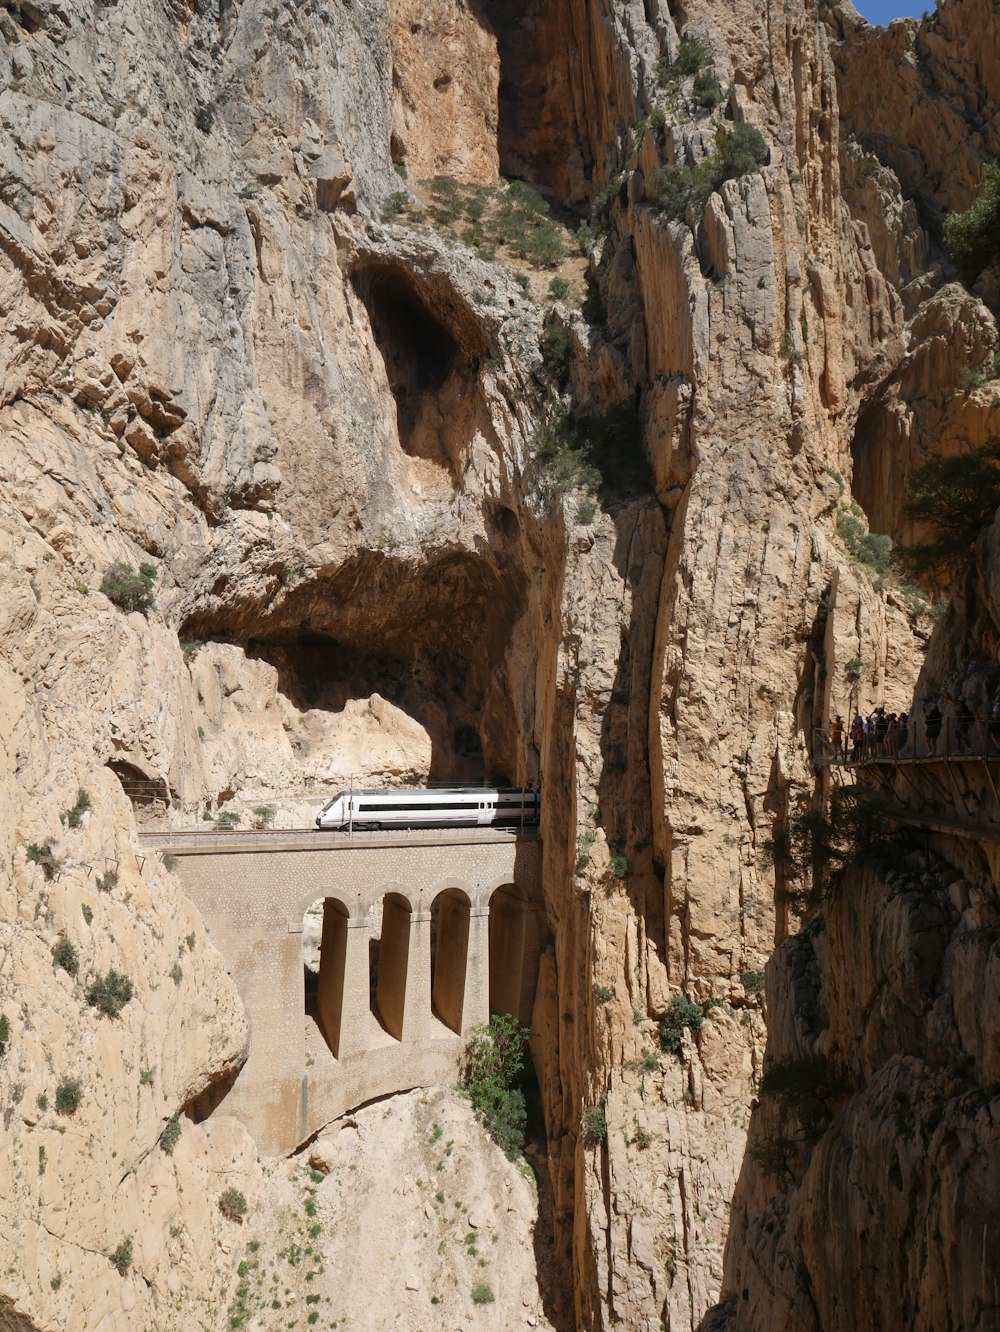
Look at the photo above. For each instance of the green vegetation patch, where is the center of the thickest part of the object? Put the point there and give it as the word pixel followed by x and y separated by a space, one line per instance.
pixel 494 1060
pixel 681 1013
pixel 673 187
pixel 973 237
pixel 74 815
pixel 601 452
pixel 233 1204
pixel 68 1096
pixel 513 220
pixel 128 589
pixel 953 499
pixel 110 993
pixel 65 957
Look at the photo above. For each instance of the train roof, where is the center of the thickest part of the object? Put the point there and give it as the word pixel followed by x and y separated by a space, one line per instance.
pixel 435 791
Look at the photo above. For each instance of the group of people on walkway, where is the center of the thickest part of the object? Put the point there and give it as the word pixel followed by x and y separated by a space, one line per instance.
pixel 879 735
pixel 888 735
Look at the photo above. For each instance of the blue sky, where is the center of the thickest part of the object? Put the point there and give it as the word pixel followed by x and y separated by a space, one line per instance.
pixel 884 11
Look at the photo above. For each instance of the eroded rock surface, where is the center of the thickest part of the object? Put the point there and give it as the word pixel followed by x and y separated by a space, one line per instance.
pixel 227 353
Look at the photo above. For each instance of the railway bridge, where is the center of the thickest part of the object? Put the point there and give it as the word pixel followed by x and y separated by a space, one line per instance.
pixel 423 934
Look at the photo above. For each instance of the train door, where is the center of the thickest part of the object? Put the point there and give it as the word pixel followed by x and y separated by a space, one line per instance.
pixel 487 812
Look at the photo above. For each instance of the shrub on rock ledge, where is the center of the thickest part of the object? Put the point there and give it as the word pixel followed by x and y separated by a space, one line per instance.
pixel 233 1205
pixel 110 993
pixel 130 591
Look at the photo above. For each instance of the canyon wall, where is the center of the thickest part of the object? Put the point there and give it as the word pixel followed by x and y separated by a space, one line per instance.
pixel 237 350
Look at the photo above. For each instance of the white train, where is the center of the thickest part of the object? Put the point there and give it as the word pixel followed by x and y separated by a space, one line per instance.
pixel 455 807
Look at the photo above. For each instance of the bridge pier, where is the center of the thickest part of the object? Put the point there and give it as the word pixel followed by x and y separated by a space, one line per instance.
pixel 444 961
pixel 477 975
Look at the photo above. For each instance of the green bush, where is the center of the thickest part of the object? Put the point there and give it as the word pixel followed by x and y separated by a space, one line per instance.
pixel 233 1204
pixel 122 1256
pixel 394 205
pixel 681 1012
pixel 170 1135
pixel 494 1059
pixel 707 89
pixel 872 550
pixel 130 591
pixel 973 237
pixel 954 498
pixel 64 955
pixel 692 56
pixel 482 1294
pixel 788 349
pixel 752 982
pixel 594 1123
pixel 41 854
pixel 808 1088
pixel 554 345
pixel 228 820
pixel 603 994
pixel 586 510
pixel 68 1096
pixel 602 452
pixel 619 866
pixel 673 187
pixel 74 815
pixel 110 993
pixel 559 288
pixel 204 118
pixel 4 1033
pixel 815 846
pixel 107 881
pixel 603 202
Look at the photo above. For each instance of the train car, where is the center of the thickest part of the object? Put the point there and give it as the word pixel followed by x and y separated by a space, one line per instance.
pixel 457 807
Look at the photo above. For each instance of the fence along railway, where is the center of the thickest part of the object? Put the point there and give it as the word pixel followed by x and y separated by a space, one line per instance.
pixel 423 933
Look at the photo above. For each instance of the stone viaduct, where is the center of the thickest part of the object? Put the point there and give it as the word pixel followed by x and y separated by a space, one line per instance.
pixel 423 935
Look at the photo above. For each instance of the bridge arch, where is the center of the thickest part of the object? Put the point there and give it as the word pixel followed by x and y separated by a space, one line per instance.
pixel 451 921
pixel 391 961
pixel 509 929
pixel 332 978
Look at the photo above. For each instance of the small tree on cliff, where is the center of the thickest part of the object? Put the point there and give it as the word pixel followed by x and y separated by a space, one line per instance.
pixel 814 847
pixel 973 237
pixel 953 499
pixel 495 1058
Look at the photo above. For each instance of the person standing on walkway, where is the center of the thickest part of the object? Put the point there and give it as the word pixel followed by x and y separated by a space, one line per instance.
pixel 932 725
pixel 993 732
pixel 904 731
pixel 857 738
pixel 964 718
pixel 837 737
pixel 892 736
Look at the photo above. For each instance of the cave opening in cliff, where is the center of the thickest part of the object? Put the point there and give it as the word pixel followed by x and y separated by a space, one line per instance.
pixel 387 671
pixel 431 353
pixel 538 138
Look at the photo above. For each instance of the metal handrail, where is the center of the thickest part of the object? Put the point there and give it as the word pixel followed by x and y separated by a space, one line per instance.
pixel 952 736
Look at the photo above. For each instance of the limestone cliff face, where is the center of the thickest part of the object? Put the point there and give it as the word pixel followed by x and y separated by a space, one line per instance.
pixel 322 427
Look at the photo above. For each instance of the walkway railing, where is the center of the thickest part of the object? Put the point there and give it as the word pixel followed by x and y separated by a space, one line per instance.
pixel 953 737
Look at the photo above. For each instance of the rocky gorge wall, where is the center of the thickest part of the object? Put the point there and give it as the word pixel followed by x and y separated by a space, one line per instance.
pixel 229 352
